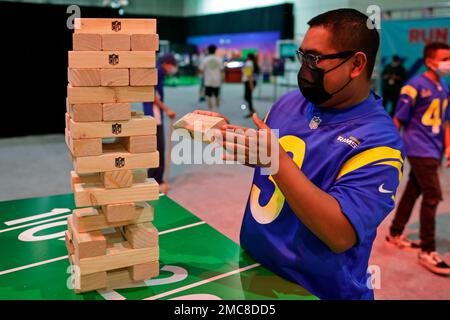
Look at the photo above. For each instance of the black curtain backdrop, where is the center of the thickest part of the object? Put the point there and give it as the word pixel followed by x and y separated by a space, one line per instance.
pixel 35 41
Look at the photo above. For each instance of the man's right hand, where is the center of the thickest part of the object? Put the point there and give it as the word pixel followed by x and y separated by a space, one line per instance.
pixel 211 114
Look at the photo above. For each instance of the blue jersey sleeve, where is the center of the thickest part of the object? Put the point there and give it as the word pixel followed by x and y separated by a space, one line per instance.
pixel 367 195
pixel 406 101
pixel 447 111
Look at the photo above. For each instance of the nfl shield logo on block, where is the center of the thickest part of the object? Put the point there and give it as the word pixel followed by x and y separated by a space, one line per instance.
pixel 116 128
pixel 120 162
pixel 113 59
pixel 116 26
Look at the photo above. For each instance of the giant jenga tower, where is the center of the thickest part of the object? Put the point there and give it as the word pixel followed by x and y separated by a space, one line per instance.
pixel 111 240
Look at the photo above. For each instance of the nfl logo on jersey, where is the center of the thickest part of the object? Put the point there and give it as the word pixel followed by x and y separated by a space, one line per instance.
pixel 314 123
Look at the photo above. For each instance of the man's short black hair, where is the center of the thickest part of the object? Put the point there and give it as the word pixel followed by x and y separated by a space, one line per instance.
pixel 351 32
pixel 212 49
pixel 395 57
pixel 430 49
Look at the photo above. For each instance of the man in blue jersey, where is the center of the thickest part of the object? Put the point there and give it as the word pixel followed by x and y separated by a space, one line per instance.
pixel 422 110
pixel 340 161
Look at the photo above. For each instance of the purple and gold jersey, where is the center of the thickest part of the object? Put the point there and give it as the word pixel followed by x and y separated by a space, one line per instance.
pixel 356 156
pixel 422 108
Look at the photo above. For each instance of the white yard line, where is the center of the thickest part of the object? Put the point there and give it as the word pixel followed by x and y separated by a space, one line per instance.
pixel 199 283
pixel 54 212
pixel 65 257
pixel 33 223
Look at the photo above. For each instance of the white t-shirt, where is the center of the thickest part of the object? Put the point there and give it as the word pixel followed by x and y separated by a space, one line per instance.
pixel 248 70
pixel 212 67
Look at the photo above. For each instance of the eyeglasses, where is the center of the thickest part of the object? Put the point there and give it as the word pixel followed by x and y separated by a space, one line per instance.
pixel 312 60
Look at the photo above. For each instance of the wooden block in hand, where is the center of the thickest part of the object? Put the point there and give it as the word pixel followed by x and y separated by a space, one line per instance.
pixel 91 219
pixel 95 195
pixel 86 112
pixel 139 144
pixel 87 42
pixel 198 124
pixel 84 77
pixel 114 25
pixel 116 111
pixel 115 77
pixel 143 77
pixel 144 42
pixel 112 59
pixel 84 147
pixel 143 235
pixel 110 94
pixel 89 244
pixel 119 212
pixel 144 271
pixel 117 179
pixel 116 42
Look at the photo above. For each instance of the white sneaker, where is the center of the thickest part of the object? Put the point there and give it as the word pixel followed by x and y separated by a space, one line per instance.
pixel 403 243
pixel 434 262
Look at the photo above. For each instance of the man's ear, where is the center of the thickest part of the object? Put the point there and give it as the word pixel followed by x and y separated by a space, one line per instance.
pixel 428 62
pixel 359 64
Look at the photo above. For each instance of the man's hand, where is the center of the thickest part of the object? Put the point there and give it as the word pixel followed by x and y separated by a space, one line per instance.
pixel 249 146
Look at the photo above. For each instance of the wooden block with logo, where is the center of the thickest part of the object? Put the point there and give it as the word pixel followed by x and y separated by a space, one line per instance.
pixel 110 94
pixel 143 77
pixel 117 179
pixel 91 219
pixel 95 195
pixel 84 147
pixel 87 42
pixel 118 212
pixel 84 77
pixel 114 159
pixel 198 125
pixel 89 244
pixel 115 42
pixel 86 112
pixel 114 25
pixel 142 235
pixel 144 271
pixel 136 126
pixel 139 144
pixel 116 111
pixel 112 59
pixel 115 77
pixel 144 42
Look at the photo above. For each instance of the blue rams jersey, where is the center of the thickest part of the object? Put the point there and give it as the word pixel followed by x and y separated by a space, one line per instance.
pixel 422 107
pixel 356 156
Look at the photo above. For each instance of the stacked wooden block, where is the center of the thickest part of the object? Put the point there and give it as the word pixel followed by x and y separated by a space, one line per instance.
pixel 110 238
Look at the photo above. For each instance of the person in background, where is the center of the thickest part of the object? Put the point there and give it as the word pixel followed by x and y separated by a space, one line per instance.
pixel 166 65
pixel 212 70
pixel 249 76
pixel 201 92
pixel 422 110
pixel 394 75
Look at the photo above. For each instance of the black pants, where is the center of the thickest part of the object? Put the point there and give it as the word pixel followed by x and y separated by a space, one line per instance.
pixel 423 180
pixel 248 95
pixel 158 173
pixel 392 97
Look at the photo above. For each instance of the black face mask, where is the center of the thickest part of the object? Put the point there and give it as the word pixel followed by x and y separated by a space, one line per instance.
pixel 313 90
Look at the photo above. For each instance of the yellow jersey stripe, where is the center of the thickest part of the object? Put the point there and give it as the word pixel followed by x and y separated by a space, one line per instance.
pixel 397 165
pixel 369 156
pixel 410 91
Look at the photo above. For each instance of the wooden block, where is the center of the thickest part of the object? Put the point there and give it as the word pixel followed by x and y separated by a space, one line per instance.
pixel 84 77
pixel 144 42
pixel 117 179
pixel 110 161
pixel 200 123
pixel 84 147
pixel 139 176
pixel 85 222
pixel 139 144
pixel 67 116
pixel 86 244
pixel 89 282
pixel 143 77
pixel 87 42
pixel 116 111
pixel 129 26
pixel 118 256
pixel 119 212
pixel 116 42
pixel 95 195
pixel 115 77
pixel 141 272
pixel 135 127
pixel 69 243
pixel 109 94
pixel 86 112
pixel 112 59
pixel 143 235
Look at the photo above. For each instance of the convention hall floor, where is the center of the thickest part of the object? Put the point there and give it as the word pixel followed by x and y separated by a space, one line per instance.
pixel 39 166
